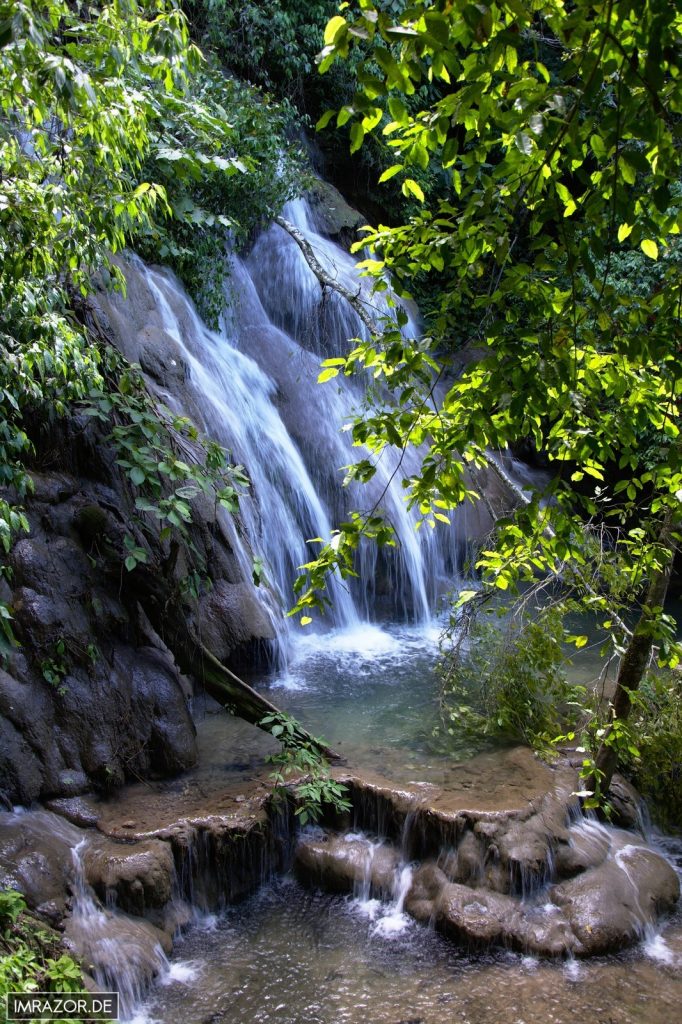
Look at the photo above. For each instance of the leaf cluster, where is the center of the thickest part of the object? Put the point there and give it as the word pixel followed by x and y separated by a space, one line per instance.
pixel 315 787
pixel 32 957
pixel 556 128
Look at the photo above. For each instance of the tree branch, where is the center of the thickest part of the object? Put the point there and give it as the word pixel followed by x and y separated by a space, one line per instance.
pixel 325 279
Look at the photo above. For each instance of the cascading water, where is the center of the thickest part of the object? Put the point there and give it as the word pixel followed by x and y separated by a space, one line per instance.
pixel 279 315
pixel 118 950
pixel 235 400
pixel 252 387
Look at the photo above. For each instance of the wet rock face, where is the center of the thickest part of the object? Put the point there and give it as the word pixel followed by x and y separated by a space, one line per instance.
pixel 85 701
pixel 135 877
pixel 36 859
pixel 92 697
pixel 494 879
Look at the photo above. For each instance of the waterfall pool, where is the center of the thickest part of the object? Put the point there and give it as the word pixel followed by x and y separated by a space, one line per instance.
pixel 291 955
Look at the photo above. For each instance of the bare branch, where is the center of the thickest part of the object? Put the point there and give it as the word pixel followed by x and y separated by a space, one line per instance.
pixel 325 279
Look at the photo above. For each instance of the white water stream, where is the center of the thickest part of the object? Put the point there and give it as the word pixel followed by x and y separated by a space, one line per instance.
pixel 253 388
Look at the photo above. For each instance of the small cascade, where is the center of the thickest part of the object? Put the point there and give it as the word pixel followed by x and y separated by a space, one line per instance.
pixel 395 920
pixel 122 954
pixel 378 876
pixel 216 868
pixel 608 845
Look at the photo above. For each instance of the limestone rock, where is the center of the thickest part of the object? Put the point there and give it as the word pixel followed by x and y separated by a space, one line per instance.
pixel 339 863
pixel 609 906
pixel 114 946
pixel 135 877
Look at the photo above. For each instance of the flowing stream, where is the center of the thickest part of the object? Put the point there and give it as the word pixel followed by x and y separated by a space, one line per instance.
pixel 364 680
pixel 289 955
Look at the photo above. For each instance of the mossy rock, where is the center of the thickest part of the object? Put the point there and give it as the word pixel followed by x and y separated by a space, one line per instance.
pixel 91 522
pixel 333 215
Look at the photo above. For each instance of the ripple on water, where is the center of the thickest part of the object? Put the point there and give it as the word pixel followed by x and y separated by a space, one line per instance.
pixel 289 956
pixel 182 972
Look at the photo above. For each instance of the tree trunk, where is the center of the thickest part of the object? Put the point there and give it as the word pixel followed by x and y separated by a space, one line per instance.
pixel 634 662
pixel 196 660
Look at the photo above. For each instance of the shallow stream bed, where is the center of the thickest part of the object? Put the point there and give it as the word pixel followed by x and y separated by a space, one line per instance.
pixel 288 955
pixel 291 956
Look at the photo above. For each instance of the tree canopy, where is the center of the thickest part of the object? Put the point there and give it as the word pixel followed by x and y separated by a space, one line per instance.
pixel 115 131
pixel 551 229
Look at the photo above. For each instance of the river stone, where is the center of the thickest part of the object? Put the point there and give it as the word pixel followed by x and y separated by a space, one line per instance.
pixel 428 882
pixel 466 863
pixel 477 915
pixel 36 859
pixel 609 906
pixel 484 918
pixel 339 863
pixel 136 876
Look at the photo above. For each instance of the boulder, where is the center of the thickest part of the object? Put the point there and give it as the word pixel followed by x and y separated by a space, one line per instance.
pixel 229 618
pixel 134 877
pixel 586 846
pixel 608 907
pixel 475 915
pixel 334 216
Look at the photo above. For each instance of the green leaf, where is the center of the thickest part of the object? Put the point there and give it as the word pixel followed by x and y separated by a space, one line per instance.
pixel 410 187
pixel 324 120
pixel 332 29
pixel 357 134
pixel 649 248
pixel 390 172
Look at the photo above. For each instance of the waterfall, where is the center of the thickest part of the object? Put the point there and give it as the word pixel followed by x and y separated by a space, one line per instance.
pixel 279 316
pixel 234 398
pixel 252 386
